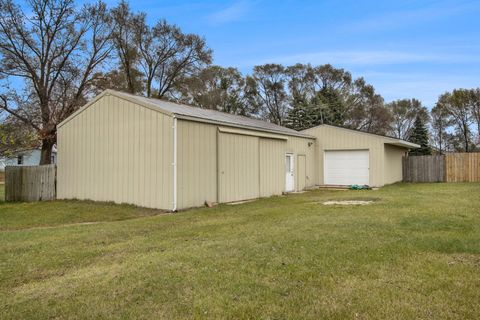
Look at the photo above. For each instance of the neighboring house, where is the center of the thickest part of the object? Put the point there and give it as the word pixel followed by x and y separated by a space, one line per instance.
pixel 29 157
pixel 154 153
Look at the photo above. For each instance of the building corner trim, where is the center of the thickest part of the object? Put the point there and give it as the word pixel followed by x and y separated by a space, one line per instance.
pixel 174 164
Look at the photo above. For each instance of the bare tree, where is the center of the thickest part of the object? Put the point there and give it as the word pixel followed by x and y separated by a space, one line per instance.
pixel 326 76
pixel 216 88
pixel 125 26
pixel 367 111
pixel 326 94
pixel 308 81
pixel 266 92
pixel 404 112
pixel 475 105
pixel 441 121
pixel 458 105
pixel 156 46
pixel 54 49
pixel 301 83
pixel 187 54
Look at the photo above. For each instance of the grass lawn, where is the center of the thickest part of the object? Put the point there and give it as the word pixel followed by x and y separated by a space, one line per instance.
pixel 414 253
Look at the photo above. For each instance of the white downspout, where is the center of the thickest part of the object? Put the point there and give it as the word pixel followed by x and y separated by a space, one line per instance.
pixel 174 164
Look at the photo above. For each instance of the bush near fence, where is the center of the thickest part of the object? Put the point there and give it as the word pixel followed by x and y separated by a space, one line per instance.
pixel 451 167
pixel 30 183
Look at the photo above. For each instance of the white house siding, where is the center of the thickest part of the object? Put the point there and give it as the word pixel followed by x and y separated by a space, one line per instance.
pixel 30 158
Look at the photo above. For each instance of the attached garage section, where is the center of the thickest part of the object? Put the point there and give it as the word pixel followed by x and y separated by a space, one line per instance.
pixel 346 157
pixel 347 167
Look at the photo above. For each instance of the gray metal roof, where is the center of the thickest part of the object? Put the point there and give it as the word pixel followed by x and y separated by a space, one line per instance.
pixel 211 116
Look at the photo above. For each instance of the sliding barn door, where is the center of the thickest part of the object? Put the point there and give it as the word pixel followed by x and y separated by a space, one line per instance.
pixel 238 167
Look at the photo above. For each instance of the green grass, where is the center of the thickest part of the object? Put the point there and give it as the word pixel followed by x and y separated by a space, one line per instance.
pixel 65 213
pixel 413 254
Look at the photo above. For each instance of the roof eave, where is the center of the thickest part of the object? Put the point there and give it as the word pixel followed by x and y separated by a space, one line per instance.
pixel 155 107
pixel 404 144
pixel 117 94
pixel 229 124
pixel 389 140
pixel 133 98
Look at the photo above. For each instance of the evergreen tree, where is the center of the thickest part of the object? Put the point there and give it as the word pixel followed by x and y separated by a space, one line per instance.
pixel 420 136
pixel 332 109
pixel 303 116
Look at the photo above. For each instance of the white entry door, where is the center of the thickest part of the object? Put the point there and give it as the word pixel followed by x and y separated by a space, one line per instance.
pixel 289 177
pixel 347 167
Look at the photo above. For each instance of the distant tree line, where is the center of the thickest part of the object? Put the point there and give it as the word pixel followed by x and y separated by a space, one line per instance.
pixel 55 56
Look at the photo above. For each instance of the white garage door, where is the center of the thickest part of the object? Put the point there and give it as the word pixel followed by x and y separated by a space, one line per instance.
pixel 347 167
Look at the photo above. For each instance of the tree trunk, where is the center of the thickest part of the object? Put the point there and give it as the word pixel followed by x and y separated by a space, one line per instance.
pixel 149 87
pixel 131 87
pixel 465 135
pixel 46 155
pixel 128 74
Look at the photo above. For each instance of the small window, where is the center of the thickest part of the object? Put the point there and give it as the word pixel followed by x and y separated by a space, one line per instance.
pixel 20 160
pixel 288 163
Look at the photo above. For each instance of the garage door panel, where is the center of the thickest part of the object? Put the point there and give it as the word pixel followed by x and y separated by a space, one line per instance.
pixel 346 167
pixel 238 167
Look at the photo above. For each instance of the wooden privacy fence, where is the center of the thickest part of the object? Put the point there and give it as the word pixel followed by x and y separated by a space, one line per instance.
pixel 452 167
pixel 423 169
pixel 30 183
pixel 462 167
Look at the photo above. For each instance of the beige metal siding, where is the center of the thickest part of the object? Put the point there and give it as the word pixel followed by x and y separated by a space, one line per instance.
pixel 197 163
pixel 115 150
pixel 303 146
pixel 393 163
pixel 198 157
pixel 272 167
pixel 238 167
pixel 302 174
pixel 332 138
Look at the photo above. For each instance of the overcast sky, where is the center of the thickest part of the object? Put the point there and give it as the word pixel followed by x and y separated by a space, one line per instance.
pixel 404 48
